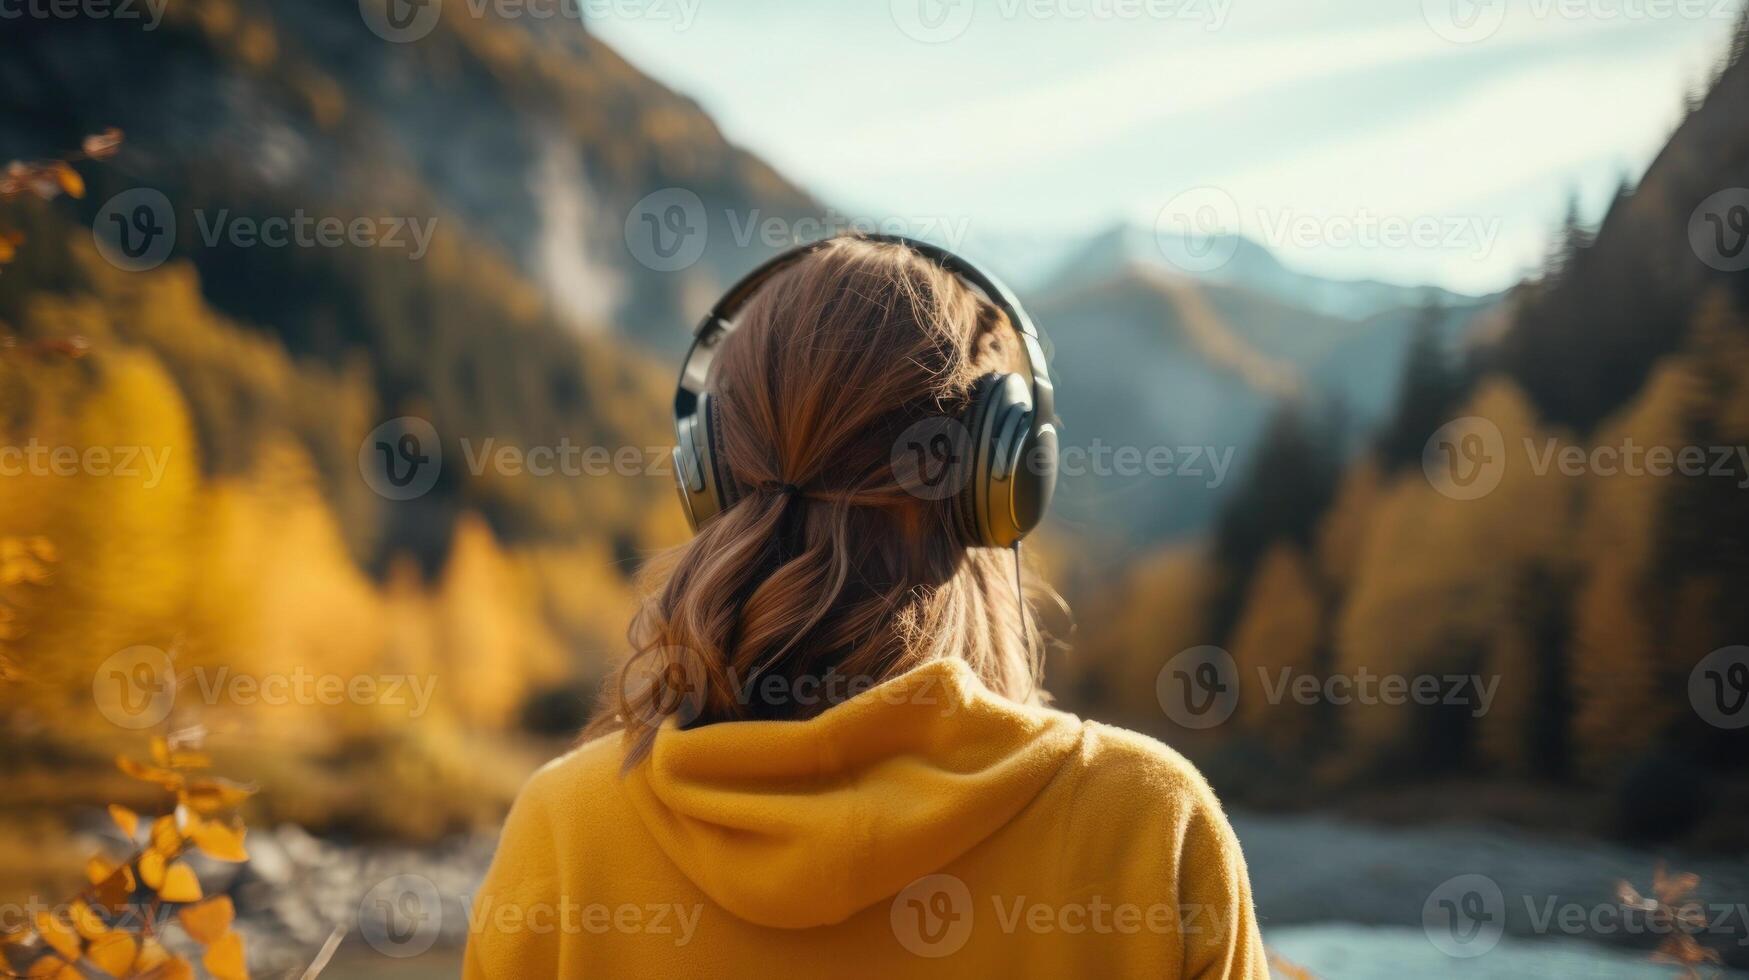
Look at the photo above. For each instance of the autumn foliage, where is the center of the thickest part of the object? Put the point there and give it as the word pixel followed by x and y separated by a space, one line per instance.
pixel 144 914
pixel 48 179
pixel 1589 597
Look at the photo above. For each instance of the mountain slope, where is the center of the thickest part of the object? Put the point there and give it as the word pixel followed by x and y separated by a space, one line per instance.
pixel 1147 356
pixel 1154 362
pixel 539 144
pixel 1592 328
pixel 519 152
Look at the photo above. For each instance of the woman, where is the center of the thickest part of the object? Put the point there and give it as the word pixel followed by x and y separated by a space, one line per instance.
pixel 830 754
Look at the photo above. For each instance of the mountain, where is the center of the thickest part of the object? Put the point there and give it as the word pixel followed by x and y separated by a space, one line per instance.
pixel 1605 598
pixel 539 144
pixel 1251 265
pixel 1149 355
pixel 545 164
pixel 1145 360
pixel 523 155
pixel 309 236
pixel 1594 325
pixel 1364 371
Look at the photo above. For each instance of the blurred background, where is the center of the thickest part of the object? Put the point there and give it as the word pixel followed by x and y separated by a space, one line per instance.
pixel 1402 354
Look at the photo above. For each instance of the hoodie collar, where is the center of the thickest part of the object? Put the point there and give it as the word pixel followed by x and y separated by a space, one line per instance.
pixel 794 824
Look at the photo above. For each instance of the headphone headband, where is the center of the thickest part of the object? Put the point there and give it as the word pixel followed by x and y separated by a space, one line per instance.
pixel 719 322
pixel 1002 504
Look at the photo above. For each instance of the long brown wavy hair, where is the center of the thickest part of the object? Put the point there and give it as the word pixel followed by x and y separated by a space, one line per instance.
pixel 831 572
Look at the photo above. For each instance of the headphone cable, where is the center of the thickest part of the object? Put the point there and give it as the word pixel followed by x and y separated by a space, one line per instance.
pixel 1020 598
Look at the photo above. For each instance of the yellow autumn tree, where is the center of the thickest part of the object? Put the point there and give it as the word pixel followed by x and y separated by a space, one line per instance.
pixel 1435 582
pixel 1618 695
pixel 1276 640
pixel 115 487
pixel 1343 531
pixel 492 641
pixel 1157 610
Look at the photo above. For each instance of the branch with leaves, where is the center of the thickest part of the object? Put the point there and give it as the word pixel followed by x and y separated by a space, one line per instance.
pixel 49 179
pixel 116 927
pixel 1670 910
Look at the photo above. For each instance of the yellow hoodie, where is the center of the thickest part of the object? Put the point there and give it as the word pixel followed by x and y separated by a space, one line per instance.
pixel 926 827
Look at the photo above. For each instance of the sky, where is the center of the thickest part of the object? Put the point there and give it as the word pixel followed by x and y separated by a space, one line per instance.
pixel 1414 141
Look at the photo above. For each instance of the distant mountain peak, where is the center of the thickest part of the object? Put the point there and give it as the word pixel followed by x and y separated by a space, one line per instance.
pixel 1239 261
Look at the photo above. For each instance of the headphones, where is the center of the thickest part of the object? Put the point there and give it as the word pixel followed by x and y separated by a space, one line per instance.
pixel 1005 457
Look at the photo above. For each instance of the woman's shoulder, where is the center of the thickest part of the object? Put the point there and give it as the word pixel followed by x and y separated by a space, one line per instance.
pixel 1122 765
pixel 1133 799
pixel 576 781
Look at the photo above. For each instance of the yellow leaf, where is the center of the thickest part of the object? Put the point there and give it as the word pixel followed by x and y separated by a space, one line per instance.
pixel 219 841
pixel 224 958
pixel 113 953
pixel 180 884
pixel 151 956
pixel 208 921
pixel 160 777
pixel 210 796
pixel 47 966
pixel 126 819
pixel 176 968
pixel 161 751
pixel 98 867
pixel 187 759
pixel 70 180
pixel 165 836
pixel 58 934
pixel 152 869
pixel 113 891
pixel 101 145
pixel 86 922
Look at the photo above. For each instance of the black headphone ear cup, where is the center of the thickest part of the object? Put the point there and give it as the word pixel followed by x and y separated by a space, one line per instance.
pixel 698 462
pixel 1035 476
pixel 688 479
pixel 969 503
pixel 1010 482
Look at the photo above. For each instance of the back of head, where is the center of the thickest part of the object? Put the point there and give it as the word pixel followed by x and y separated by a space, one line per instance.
pixel 834 569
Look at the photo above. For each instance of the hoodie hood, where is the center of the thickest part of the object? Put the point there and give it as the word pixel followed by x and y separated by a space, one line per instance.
pixel 796 824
